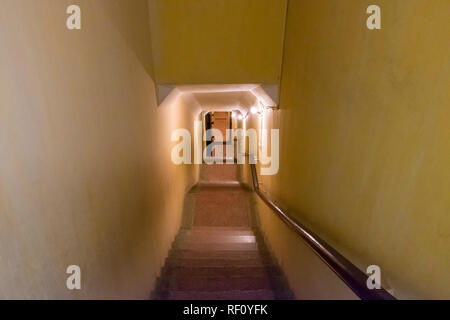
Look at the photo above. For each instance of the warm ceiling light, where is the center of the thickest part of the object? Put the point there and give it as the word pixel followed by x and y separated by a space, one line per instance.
pixel 254 110
pixel 233 115
pixel 240 117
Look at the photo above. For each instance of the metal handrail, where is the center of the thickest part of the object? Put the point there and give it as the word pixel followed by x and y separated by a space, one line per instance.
pixel 351 275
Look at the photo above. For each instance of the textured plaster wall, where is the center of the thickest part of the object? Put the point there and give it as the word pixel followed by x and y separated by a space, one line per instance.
pixel 365 139
pixel 85 170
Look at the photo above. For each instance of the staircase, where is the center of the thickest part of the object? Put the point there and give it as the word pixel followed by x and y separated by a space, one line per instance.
pixel 219 253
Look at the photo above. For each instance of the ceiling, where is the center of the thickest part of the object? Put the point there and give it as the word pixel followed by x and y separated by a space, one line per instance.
pixel 221 97
pixel 217 41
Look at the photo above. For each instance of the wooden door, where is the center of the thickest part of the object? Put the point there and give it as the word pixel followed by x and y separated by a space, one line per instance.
pixel 222 123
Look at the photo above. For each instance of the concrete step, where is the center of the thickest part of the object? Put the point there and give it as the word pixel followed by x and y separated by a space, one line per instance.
pixel 225 271
pixel 210 230
pixel 201 238
pixel 218 229
pixel 216 254
pixel 218 172
pixel 222 295
pixel 217 283
pixel 218 262
pixel 215 231
pixel 205 239
pixel 214 246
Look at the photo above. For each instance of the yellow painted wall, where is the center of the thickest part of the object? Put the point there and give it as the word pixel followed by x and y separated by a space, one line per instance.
pixel 85 170
pixel 217 41
pixel 365 138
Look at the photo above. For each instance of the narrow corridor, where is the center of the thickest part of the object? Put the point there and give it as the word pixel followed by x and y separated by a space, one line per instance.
pixel 113 112
pixel 219 252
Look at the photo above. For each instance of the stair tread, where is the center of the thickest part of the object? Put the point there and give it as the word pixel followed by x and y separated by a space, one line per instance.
pixel 215 262
pixel 215 246
pixel 216 239
pixel 219 232
pixel 219 228
pixel 218 283
pixel 217 254
pixel 223 295
pixel 227 271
